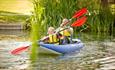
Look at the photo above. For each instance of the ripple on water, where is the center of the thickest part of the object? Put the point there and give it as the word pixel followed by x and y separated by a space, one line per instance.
pixel 9 61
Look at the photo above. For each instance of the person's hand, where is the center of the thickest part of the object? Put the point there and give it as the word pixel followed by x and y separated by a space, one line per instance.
pixel 44 38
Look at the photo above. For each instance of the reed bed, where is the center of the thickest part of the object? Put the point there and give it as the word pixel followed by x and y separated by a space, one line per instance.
pixel 99 19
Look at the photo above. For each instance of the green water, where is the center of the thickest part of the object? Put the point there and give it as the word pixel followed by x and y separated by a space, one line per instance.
pixel 98 54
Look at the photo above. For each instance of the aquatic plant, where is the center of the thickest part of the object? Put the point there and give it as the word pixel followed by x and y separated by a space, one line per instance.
pixel 36 22
pixel 106 17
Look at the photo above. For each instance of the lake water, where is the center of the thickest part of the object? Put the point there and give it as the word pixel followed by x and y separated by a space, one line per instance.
pixel 98 54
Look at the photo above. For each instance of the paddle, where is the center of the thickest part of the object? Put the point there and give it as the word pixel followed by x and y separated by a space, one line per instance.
pixel 80 13
pixel 79 22
pixel 76 15
pixel 19 50
pixel 76 23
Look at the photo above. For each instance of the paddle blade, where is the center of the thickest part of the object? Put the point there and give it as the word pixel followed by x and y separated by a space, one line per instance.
pixel 19 50
pixel 79 22
pixel 80 13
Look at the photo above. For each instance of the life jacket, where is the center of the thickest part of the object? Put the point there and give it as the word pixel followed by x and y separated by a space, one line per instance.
pixel 53 39
pixel 65 32
pixel 66 35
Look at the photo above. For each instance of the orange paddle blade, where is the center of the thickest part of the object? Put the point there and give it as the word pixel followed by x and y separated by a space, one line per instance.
pixel 80 13
pixel 79 22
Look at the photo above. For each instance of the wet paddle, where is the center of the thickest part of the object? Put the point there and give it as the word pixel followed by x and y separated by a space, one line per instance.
pixel 19 50
pixel 79 22
pixel 80 13
pixel 77 14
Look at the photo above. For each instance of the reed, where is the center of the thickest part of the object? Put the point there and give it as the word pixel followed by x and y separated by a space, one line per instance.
pixel 106 19
pixel 56 10
pixel 36 22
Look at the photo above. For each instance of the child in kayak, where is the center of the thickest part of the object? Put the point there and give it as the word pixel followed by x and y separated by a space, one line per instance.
pixel 65 31
pixel 52 37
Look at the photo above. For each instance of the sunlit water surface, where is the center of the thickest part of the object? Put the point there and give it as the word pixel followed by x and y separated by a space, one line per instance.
pixel 98 54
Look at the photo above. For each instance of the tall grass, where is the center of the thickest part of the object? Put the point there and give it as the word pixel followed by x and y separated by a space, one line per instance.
pixel 36 22
pixel 106 18
pixel 100 19
pixel 56 10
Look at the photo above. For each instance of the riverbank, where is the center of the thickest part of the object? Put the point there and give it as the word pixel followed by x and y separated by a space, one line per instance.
pixel 12 20
pixel 14 37
pixel 18 26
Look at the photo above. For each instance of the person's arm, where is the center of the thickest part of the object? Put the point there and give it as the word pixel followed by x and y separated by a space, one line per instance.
pixel 44 38
pixel 57 30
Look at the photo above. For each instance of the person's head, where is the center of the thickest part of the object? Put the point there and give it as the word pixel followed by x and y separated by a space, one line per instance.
pixel 51 30
pixel 64 22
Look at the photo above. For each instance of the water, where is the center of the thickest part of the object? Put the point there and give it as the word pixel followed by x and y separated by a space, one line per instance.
pixel 98 54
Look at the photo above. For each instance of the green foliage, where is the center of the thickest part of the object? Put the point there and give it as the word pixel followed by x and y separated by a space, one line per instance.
pixel 56 10
pixel 36 22
pixel 106 19
pixel 10 17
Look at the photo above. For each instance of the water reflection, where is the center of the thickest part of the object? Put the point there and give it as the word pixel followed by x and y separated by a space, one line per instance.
pixel 98 53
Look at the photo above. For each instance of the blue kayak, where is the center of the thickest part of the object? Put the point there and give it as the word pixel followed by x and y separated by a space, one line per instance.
pixel 64 49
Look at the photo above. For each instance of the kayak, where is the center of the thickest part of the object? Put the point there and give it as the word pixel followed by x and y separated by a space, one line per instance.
pixel 64 49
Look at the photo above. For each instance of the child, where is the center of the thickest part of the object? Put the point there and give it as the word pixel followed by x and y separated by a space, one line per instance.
pixel 65 31
pixel 52 37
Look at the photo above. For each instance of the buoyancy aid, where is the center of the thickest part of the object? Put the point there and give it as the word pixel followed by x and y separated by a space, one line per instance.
pixel 65 32
pixel 53 39
pixel 66 35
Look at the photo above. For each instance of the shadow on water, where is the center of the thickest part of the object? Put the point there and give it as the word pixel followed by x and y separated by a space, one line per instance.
pixel 98 53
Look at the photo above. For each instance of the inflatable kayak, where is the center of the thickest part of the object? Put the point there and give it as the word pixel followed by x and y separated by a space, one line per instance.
pixel 64 49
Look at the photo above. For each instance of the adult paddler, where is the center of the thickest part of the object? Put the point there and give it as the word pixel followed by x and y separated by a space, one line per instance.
pixel 65 31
